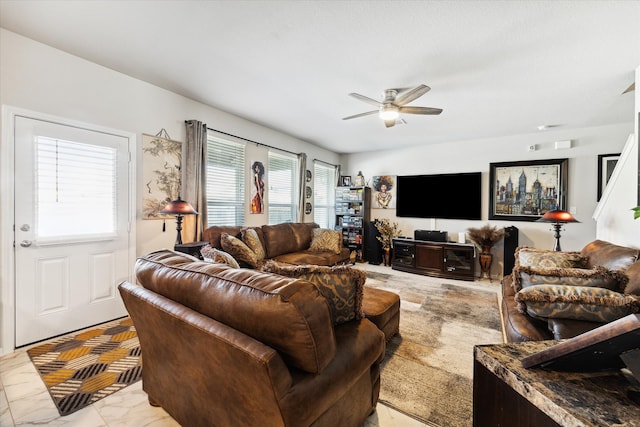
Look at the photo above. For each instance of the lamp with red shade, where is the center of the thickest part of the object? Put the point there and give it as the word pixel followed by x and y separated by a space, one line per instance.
pixel 557 218
pixel 179 208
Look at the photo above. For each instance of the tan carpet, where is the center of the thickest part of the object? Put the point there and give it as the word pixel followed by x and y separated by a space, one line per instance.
pixel 428 369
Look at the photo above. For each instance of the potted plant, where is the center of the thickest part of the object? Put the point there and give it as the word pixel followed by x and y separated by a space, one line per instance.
pixel 388 231
pixel 485 238
pixel 636 212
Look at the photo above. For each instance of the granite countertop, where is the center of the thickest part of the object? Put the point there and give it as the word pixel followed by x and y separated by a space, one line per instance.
pixel 569 398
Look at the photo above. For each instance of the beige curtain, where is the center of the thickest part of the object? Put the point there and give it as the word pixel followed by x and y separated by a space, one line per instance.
pixel 302 169
pixel 194 175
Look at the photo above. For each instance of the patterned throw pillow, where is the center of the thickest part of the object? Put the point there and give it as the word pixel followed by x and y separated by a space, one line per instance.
pixel 575 302
pixel 216 255
pixel 237 249
pixel 251 239
pixel 542 258
pixel 326 240
pixel 222 257
pixel 599 277
pixel 341 285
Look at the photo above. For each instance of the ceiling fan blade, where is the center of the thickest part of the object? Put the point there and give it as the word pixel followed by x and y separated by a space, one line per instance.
pixel 390 123
pixel 630 88
pixel 407 97
pixel 420 110
pixel 360 115
pixel 366 99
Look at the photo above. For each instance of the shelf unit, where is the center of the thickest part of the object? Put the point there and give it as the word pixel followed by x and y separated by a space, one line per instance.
pixel 440 259
pixel 353 216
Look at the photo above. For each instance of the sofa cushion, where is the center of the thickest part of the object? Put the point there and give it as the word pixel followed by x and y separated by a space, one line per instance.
pixel 238 249
pixel 326 240
pixel 342 286
pixel 251 239
pixel 575 302
pixel 287 237
pixel 285 314
pixel 608 255
pixel 213 234
pixel 598 276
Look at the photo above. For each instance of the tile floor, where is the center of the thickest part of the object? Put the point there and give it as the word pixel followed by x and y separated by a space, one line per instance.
pixel 24 401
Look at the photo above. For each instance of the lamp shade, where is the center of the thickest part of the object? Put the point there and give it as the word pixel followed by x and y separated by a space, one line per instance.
pixel 557 216
pixel 178 207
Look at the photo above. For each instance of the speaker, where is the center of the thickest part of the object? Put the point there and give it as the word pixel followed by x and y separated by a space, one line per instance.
pixel 431 235
pixel 372 246
pixel 510 246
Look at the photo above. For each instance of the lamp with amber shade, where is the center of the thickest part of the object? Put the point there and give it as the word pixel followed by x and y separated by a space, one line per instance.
pixel 557 218
pixel 179 208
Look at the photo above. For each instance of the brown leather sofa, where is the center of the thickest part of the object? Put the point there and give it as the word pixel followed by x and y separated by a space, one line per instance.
pixel 287 243
pixel 231 347
pixel 520 326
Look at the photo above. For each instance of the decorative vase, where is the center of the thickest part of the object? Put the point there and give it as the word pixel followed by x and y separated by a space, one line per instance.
pixel 387 256
pixel 486 258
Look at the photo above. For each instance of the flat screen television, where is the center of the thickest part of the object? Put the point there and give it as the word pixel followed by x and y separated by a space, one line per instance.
pixel 444 196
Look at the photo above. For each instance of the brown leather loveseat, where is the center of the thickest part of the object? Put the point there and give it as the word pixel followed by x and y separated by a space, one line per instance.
pixel 237 347
pixel 602 262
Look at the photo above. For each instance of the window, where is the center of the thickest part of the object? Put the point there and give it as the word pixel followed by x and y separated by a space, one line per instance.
pixel 74 180
pixel 282 179
pixel 324 197
pixel 225 181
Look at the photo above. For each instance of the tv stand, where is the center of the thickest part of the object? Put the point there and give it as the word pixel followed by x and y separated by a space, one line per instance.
pixel 439 259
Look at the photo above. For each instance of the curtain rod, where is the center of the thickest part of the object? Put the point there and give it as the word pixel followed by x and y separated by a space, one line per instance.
pixel 251 141
pixel 326 163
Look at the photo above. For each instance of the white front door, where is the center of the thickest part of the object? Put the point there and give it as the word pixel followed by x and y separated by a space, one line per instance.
pixel 72 210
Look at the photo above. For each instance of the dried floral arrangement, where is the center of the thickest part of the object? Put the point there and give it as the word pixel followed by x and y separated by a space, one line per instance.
pixel 485 236
pixel 388 231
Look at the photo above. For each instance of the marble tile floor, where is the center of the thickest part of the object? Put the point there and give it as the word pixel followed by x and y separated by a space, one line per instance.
pixel 25 401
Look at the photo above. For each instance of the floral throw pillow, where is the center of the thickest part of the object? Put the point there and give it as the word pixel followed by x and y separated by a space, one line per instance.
pixel 237 249
pixel 326 240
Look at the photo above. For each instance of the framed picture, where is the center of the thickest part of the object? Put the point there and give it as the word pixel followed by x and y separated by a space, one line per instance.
pixel 385 192
pixel 606 163
pixel 345 180
pixel 524 191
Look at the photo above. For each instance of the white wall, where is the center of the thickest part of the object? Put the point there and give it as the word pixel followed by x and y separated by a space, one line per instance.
pixel 614 217
pixel 475 155
pixel 39 78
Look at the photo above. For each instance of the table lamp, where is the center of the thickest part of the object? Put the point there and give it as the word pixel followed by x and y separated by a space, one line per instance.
pixel 179 208
pixel 557 218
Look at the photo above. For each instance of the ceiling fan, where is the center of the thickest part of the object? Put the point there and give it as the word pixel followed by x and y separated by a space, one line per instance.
pixel 394 103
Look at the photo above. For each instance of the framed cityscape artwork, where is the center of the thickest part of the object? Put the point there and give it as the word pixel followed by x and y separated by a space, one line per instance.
pixel 526 190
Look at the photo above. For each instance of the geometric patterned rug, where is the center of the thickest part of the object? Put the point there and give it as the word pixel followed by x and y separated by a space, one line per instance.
pixel 81 369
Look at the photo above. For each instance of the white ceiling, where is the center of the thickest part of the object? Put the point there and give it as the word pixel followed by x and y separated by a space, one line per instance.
pixel 497 68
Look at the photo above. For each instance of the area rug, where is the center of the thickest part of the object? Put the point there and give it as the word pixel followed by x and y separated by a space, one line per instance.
pixel 81 369
pixel 428 368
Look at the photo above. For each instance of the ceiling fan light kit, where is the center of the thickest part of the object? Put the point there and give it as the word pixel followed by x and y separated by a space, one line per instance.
pixel 394 103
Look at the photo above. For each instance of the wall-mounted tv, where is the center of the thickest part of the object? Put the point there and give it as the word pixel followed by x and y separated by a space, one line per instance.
pixel 443 196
